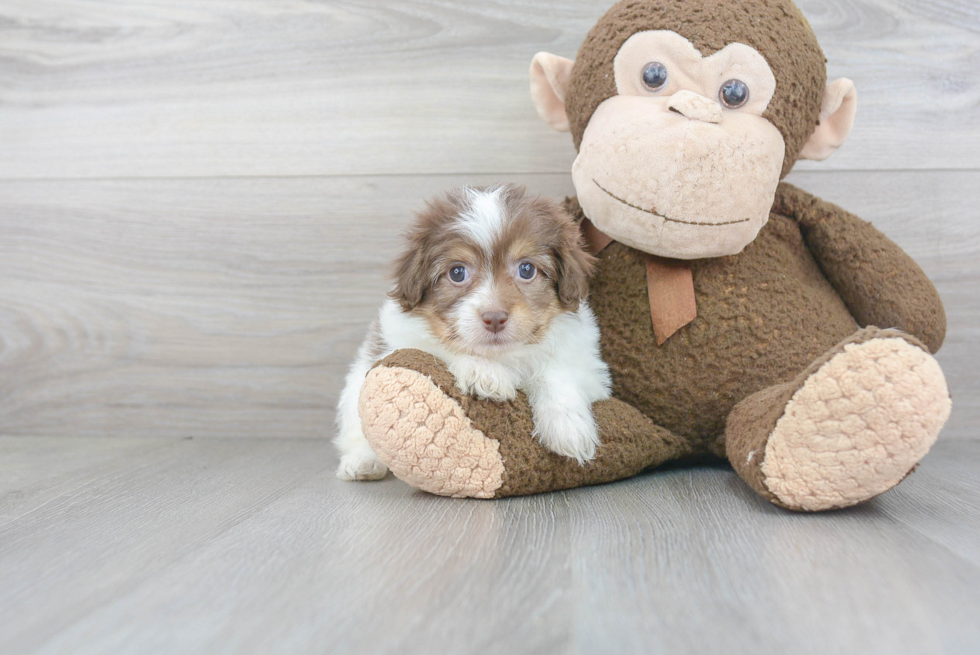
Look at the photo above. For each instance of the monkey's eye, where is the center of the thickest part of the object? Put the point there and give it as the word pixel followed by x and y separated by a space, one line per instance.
pixel 458 274
pixel 526 270
pixel 654 76
pixel 734 94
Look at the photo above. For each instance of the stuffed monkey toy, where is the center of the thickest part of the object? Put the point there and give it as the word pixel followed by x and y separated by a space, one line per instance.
pixel 741 318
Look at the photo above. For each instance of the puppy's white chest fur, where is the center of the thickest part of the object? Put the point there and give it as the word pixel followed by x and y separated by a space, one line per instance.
pixel 569 347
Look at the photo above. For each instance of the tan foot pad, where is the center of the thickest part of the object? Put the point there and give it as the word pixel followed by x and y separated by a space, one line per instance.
pixel 857 426
pixel 424 437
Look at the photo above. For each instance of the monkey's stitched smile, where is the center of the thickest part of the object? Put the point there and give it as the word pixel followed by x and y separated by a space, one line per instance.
pixel 672 220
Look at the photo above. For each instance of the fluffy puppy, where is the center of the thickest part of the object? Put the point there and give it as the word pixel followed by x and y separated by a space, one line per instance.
pixel 494 283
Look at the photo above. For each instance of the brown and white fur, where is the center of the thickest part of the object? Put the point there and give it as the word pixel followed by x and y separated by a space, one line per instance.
pixel 499 330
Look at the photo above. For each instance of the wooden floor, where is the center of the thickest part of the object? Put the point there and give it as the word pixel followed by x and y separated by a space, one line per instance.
pixel 198 200
pixel 213 546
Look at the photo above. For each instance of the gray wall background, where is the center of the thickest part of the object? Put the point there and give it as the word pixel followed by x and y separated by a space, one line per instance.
pixel 198 200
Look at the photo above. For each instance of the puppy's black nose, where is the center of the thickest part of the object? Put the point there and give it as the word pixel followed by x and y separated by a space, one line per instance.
pixel 494 321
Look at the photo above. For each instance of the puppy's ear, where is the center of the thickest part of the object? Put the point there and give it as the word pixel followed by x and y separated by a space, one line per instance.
pixel 573 264
pixel 411 279
pixel 414 270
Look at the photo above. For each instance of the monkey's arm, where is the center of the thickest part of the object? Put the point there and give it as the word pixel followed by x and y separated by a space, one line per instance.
pixel 442 441
pixel 879 282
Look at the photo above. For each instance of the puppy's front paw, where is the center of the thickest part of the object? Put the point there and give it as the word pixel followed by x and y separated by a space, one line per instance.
pixel 484 380
pixel 362 464
pixel 567 432
pixel 498 389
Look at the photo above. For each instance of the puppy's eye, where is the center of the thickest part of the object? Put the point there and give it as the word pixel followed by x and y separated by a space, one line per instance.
pixel 526 270
pixel 458 274
pixel 654 76
pixel 734 94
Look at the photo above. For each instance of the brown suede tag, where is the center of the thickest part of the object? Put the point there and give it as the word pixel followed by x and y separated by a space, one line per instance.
pixel 595 240
pixel 670 284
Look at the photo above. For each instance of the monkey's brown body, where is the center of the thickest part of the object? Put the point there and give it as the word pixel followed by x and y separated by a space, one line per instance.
pixel 764 315
pixel 783 371
pixel 690 384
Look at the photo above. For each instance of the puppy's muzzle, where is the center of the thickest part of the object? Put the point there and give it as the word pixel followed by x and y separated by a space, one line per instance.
pixel 494 321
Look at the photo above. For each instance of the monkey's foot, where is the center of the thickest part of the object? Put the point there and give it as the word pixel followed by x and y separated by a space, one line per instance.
pixel 849 428
pixel 422 433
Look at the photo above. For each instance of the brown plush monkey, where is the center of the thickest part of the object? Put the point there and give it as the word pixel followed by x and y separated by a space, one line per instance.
pixel 741 318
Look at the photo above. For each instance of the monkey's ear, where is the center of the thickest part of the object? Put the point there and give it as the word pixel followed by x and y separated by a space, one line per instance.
pixel 549 81
pixel 836 119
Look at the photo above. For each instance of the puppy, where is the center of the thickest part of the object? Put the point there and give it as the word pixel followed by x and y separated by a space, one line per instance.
pixel 494 284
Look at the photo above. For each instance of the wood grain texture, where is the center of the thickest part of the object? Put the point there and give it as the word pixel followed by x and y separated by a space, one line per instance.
pixel 252 546
pixel 233 307
pixel 191 307
pixel 260 88
pixel 198 202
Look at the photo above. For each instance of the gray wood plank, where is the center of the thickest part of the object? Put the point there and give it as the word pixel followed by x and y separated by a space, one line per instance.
pixel 192 307
pixel 35 474
pixel 234 546
pixel 226 88
pixel 108 528
pixel 232 307
pixel 941 499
